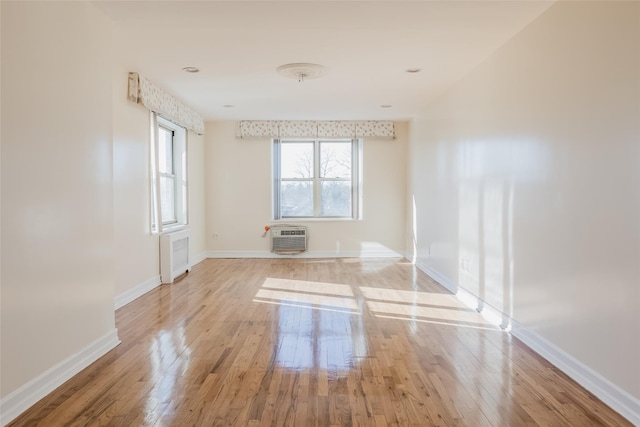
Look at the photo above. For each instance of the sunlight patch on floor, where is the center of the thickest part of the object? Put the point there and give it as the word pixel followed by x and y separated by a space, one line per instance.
pixel 297 297
pixel 413 311
pixel 411 306
pixel 436 322
pixel 306 286
pixel 410 297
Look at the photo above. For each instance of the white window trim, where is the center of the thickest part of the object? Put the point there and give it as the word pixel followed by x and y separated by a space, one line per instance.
pixel 356 180
pixel 174 175
pixel 180 168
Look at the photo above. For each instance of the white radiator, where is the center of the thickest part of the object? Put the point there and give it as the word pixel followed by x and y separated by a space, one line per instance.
pixel 289 239
pixel 175 258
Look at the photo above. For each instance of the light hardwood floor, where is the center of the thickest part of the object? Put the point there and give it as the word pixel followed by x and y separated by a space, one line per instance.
pixel 326 342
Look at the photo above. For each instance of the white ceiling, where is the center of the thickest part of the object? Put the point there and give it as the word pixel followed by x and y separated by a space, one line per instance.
pixel 366 47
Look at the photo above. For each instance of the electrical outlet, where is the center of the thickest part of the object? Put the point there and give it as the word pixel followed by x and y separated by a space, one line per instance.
pixel 215 235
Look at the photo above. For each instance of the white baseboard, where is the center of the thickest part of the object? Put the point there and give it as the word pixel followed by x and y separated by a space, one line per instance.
pixel 30 393
pixel 198 258
pixel 618 399
pixel 314 254
pixel 489 312
pixel 438 277
pixel 149 284
pixel 136 292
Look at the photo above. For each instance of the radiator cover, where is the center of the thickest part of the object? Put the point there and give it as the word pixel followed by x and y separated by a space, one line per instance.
pixel 175 257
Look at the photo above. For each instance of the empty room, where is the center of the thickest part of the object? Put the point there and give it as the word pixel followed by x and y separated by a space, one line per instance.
pixel 320 213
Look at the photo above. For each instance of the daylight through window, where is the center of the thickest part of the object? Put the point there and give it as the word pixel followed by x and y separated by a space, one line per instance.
pixel 316 178
pixel 169 172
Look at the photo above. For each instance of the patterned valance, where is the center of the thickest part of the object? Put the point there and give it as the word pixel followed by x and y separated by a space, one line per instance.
pixel 142 91
pixel 315 129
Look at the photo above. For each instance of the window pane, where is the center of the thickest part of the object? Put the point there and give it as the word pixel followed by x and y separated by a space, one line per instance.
pixel 297 160
pixel 296 198
pixel 335 159
pixel 167 196
pixel 336 198
pixel 165 150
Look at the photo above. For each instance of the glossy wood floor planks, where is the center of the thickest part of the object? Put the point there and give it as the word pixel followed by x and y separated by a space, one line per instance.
pixel 325 342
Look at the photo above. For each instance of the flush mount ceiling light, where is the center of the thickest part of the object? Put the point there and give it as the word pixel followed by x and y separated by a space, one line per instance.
pixel 385 106
pixel 301 71
pixel 191 69
pixel 413 70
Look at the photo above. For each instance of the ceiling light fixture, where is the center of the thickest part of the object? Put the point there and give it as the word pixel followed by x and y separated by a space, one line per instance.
pixel 301 71
pixel 228 106
pixel 191 69
pixel 386 106
pixel 413 70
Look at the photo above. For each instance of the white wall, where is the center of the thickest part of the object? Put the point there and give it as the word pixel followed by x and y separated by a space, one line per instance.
pixel 196 186
pixel 137 267
pixel 57 207
pixel 136 249
pixel 526 184
pixel 238 199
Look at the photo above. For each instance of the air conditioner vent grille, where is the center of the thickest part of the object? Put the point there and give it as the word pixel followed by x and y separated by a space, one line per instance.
pixel 288 239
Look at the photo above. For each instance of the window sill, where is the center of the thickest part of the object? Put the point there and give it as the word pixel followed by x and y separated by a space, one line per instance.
pixel 173 228
pixel 286 220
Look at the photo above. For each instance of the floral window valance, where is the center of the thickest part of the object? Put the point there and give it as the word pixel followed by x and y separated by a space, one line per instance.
pixel 142 91
pixel 315 129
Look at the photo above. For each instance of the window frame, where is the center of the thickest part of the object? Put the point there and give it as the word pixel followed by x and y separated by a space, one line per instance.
pixel 171 175
pixel 179 176
pixel 355 180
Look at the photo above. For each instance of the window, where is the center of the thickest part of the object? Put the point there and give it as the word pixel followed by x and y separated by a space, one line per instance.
pixel 169 172
pixel 317 178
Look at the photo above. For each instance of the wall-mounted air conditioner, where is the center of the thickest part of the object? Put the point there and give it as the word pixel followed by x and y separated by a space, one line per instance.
pixel 288 240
